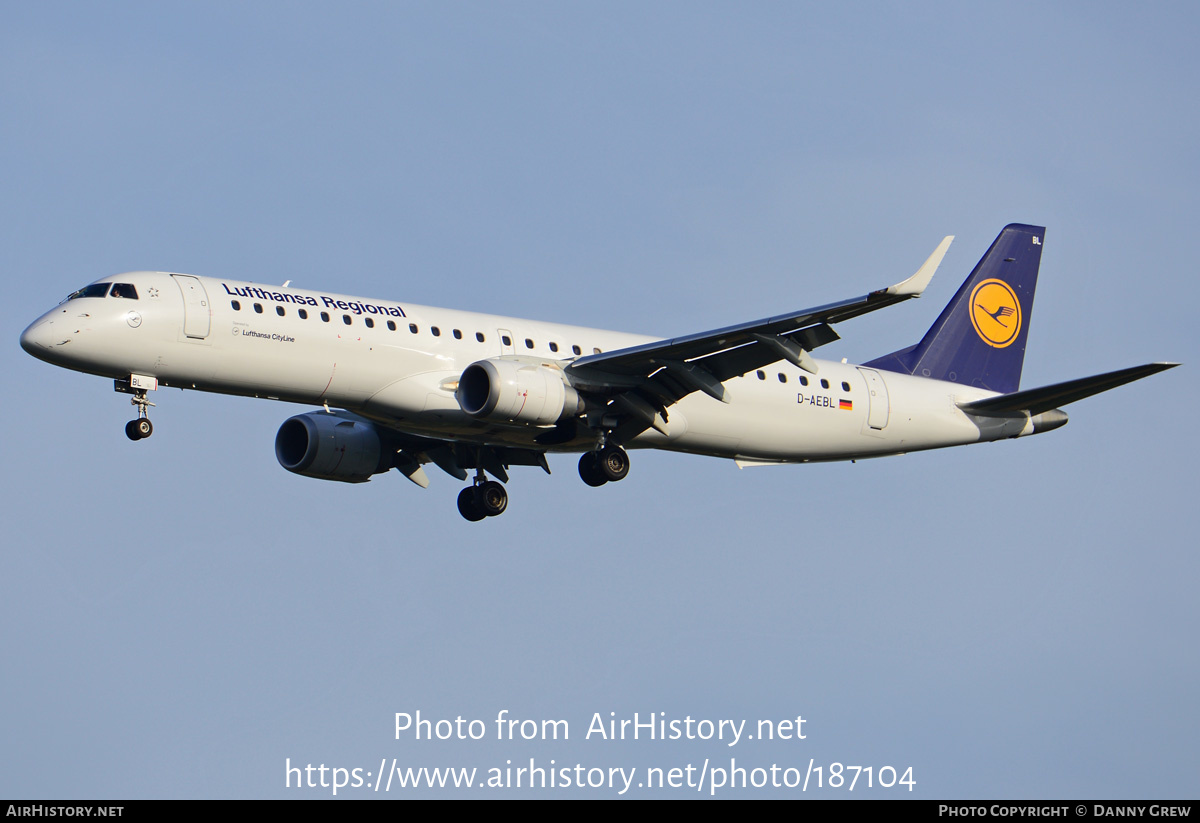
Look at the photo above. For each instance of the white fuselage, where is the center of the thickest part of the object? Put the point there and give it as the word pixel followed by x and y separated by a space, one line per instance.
pixel 399 364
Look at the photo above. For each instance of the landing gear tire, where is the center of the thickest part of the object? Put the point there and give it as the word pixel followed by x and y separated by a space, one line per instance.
pixel 613 463
pixel 589 469
pixel 138 429
pixel 491 498
pixel 488 499
pixel 468 505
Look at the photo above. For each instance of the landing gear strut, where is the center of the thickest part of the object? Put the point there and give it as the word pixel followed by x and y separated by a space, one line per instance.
pixel 608 465
pixel 483 498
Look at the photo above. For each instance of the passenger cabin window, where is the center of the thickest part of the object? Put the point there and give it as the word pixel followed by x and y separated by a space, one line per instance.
pixel 845 386
pixel 803 380
pixel 279 310
pixel 391 325
pixel 236 305
pixel 762 375
pixel 125 290
pixel 577 350
pixel 506 340
pixel 258 307
pixel 553 347
pixel 479 336
pixel 412 327
pixel 303 314
pixel 325 317
pixel 370 323
pixel 824 383
pixel 457 334
pixel 435 331
pixel 528 343
pixel 346 319
pixel 782 377
pixel 94 290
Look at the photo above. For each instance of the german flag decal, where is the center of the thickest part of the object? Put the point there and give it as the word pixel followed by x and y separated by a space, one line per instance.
pixel 846 405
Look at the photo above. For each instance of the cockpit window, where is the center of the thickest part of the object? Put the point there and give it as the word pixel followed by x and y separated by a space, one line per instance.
pixel 124 290
pixel 94 290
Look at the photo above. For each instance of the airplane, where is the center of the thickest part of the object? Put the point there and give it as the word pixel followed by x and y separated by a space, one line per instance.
pixel 403 386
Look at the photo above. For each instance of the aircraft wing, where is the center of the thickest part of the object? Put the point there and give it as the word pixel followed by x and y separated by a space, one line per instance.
pixel 1045 398
pixel 644 380
pixel 635 359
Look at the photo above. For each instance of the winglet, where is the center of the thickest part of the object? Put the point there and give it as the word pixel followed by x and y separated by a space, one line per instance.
pixel 916 284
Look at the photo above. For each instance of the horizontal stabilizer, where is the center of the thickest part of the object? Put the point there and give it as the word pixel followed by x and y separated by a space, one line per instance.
pixel 1036 401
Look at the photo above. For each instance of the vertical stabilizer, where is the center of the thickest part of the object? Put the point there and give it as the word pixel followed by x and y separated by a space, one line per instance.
pixel 979 338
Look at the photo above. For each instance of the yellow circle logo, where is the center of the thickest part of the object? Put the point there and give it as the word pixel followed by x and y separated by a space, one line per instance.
pixel 996 313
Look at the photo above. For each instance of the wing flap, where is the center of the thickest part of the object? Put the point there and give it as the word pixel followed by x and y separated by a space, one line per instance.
pixel 736 362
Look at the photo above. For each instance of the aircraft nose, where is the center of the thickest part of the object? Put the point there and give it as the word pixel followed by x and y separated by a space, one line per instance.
pixel 31 337
pixel 37 338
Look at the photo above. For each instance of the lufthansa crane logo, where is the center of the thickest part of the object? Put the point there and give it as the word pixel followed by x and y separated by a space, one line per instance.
pixel 996 313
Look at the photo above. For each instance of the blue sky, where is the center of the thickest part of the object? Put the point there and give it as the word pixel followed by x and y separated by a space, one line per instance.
pixel 181 616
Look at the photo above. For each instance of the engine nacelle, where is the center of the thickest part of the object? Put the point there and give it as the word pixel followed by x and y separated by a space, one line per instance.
pixel 330 447
pixel 516 392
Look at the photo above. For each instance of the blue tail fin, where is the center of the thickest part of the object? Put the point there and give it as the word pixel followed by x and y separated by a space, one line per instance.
pixel 979 338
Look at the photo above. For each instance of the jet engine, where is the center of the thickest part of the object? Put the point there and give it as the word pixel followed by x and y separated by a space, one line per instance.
pixel 516 392
pixel 330 447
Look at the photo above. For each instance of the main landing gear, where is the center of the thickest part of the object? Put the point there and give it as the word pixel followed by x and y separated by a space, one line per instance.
pixel 608 465
pixel 488 498
pixel 483 498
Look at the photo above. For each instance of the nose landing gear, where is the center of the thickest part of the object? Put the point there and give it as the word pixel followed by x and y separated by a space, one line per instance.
pixel 138 385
